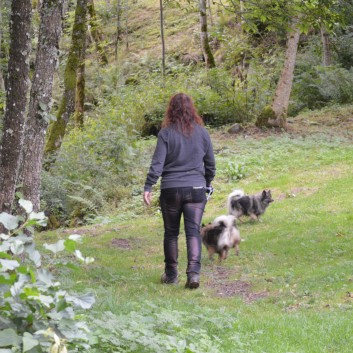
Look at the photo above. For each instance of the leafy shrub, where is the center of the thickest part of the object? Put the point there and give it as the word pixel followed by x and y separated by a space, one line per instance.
pixel 343 49
pixel 37 315
pixel 235 171
pixel 322 85
pixel 151 328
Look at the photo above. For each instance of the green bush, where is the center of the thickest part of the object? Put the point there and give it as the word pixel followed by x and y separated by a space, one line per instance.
pixel 91 168
pixel 37 314
pixel 343 49
pixel 320 86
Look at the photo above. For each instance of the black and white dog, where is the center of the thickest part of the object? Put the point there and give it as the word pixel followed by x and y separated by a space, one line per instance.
pixel 253 206
pixel 220 236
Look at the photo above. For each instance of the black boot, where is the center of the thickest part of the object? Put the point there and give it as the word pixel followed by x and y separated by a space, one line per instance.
pixel 193 280
pixel 166 280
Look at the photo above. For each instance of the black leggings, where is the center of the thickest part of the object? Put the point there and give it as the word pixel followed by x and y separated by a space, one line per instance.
pixel 191 203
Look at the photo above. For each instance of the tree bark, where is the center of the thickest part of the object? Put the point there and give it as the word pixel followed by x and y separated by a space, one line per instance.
pixel 2 85
pixel 127 24
pixel 15 111
pixel 210 12
pixel 206 49
pixel 162 36
pixel 96 33
pixel 40 98
pixel 57 129
pixel 326 48
pixel 281 99
pixel 118 27
pixel 80 92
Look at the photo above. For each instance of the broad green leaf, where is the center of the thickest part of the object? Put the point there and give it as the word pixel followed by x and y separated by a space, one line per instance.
pixel 9 338
pixel 17 247
pixel 61 305
pixel 35 256
pixel 27 205
pixel 16 288
pixel 9 264
pixel 70 245
pixel 39 219
pixel 9 221
pixel 19 194
pixel 4 247
pixel 55 248
pixel 37 215
pixel 6 278
pixel 29 342
pixel 78 254
pixel 4 236
pixel 75 237
pixel 89 260
pixel 45 276
pixel 84 301
pixel 31 292
pixel 86 260
pixel 45 300
pixel 4 255
pixel 43 106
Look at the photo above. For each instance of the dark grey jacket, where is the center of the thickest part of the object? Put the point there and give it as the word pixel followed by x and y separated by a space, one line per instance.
pixel 182 160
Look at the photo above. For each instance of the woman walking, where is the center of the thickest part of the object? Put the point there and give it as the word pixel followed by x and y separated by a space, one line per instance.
pixel 184 159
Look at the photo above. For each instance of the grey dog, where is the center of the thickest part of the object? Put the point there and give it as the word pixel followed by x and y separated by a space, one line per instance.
pixel 253 206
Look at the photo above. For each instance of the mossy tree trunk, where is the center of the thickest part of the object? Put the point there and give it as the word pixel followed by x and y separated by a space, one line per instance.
pixel 97 33
pixel 16 102
pixel 40 99
pixel 57 129
pixel 205 45
pixel 284 86
pixel 80 92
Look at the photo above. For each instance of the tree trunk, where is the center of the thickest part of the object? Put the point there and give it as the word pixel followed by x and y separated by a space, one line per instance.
pixel 127 23
pixel 210 12
pixel 118 27
pixel 2 85
pixel 162 36
pixel 15 111
pixel 206 49
pixel 96 33
pixel 326 49
pixel 57 129
pixel 80 92
pixel 40 99
pixel 281 100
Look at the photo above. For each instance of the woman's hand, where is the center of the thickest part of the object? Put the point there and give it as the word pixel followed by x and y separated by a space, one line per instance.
pixel 147 196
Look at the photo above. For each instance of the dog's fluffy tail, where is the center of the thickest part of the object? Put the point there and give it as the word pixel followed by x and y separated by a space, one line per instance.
pixel 234 195
pixel 227 221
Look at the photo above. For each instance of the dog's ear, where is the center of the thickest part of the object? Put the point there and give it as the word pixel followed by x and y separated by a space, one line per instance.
pixel 264 194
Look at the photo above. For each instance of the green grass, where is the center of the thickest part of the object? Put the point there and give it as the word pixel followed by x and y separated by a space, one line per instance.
pixel 296 265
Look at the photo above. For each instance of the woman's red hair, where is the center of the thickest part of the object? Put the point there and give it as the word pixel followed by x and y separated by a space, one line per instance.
pixel 182 113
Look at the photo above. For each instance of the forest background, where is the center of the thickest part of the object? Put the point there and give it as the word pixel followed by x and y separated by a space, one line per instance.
pixel 117 67
pixel 83 90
